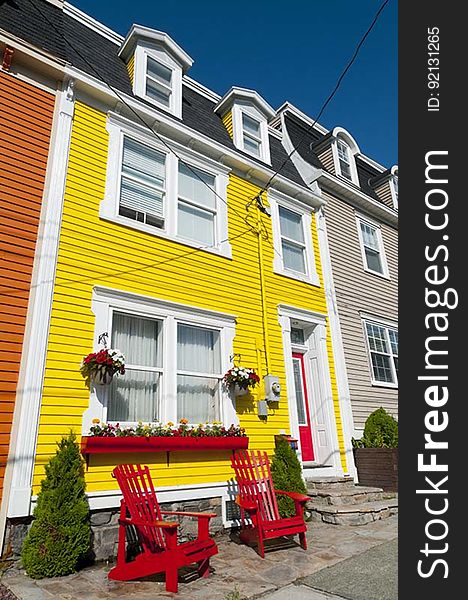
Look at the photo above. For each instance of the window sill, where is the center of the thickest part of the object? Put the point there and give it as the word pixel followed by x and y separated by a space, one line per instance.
pixel 310 279
pixel 382 384
pixel 224 249
pixel 381 275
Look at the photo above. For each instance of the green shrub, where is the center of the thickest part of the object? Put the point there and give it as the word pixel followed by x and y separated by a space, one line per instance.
pixel 287 476
pixel 380 431
pixel 60 535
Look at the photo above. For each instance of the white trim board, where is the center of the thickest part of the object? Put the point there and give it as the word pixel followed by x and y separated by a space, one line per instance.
pixel 28 401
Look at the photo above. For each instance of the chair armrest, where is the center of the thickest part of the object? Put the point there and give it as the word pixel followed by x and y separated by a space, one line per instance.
pixel 246 505
pixel 196 515
pixel 141 523
pixel 203 521
pixel 302 498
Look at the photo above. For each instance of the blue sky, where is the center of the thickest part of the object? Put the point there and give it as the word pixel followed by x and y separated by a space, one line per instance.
pixel 292 51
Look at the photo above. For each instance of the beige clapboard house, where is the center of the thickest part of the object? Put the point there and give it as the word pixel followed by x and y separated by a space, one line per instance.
pixel 361 224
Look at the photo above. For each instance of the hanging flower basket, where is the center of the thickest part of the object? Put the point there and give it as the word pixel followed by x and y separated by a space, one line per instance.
pixel 101 377
pixel 241 380
pixel 238 391
pixel 100 367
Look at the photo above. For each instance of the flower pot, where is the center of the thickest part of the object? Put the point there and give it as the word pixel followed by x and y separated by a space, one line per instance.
pixel 238 391
pixel 102 378
pixel 377 467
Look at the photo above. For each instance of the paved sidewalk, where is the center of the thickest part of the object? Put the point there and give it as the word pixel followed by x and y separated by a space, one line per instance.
pixel 238 572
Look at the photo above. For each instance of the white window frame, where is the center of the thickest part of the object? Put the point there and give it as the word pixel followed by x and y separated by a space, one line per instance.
pixel 276 200
pixel 383 259
pixel 118 127
pixel 386 325
pixel 352 162
pixel 141 69
pixel 238 110
pixel 394 188
pixel 105 301
pixel 201 207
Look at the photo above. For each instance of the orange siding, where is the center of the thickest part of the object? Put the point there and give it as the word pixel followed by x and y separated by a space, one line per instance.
pixel 26 114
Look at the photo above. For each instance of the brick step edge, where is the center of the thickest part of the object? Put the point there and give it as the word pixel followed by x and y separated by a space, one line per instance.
pixel 354 515
pixel 317 483
pixel 349 500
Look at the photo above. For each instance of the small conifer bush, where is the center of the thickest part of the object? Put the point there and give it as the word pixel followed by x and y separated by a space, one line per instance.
pixel 287 476
pixel 380 431
pixel 60 535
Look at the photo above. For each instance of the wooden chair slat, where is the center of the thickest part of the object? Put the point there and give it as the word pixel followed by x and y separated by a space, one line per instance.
pixel 159 548
pixel 256 489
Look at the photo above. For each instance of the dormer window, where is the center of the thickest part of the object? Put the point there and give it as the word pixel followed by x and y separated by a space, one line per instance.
pixel 157 64
pixel 158 82
pixel 344 149
pixel 251 135
pixel 247 115
pixel 344 159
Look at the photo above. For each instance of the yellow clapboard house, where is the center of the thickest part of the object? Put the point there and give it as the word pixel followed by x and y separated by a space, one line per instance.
pixel 170 249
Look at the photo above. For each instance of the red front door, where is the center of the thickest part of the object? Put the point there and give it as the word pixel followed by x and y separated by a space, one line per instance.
pixel 303 414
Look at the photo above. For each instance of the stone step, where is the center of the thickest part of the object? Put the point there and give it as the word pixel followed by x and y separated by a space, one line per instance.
pixel 354 514
pixel 317 483
pixel 347 495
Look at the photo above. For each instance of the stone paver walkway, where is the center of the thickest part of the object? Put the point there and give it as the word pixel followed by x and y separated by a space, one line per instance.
pixel 236 568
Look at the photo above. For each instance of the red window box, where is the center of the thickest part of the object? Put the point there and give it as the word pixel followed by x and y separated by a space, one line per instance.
pixel 106 445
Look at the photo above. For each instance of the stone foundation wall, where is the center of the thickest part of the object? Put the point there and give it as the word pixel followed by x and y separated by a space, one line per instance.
pixel 104 526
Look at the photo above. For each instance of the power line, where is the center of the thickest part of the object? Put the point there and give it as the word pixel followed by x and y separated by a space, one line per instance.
pixel 70 282
pixel 330 97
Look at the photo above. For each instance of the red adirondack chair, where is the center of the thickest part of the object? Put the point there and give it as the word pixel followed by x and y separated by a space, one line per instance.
pixel 157 538
pixel 257 498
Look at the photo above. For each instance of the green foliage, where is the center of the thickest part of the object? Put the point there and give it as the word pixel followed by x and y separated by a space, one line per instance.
pixel 60 535
pixel 287 476
pixel 233 594
pixel 380 431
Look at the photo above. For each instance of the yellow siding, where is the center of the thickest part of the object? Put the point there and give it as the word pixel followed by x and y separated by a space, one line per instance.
pixel 131 68
pixel 227 120
pixel 96 252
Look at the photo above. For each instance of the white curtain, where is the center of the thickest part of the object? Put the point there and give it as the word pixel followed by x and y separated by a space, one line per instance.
pixel 198 351
pixel 134 396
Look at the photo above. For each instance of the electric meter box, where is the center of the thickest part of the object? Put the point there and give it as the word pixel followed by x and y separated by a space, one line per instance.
pixel 272 388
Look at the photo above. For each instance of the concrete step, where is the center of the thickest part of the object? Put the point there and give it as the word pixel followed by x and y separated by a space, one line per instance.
pixel 353 514
pixel 317 483
pixel 347 495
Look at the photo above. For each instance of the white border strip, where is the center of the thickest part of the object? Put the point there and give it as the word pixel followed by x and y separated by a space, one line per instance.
pixel 28 401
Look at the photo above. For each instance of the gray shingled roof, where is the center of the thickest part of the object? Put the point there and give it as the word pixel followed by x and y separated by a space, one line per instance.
pixel 306 142
pixel 94 54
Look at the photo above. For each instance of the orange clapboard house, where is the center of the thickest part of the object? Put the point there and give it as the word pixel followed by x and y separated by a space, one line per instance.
pixel 26 114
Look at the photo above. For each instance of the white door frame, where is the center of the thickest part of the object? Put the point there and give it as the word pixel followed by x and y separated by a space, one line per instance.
pixel 322 390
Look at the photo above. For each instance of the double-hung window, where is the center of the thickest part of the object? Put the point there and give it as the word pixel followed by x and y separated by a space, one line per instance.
pixel 142 184
pixel 136 395
pixel 344 159
pixel 158 82
pixel 196 212
pixel 198 373
pixel 372 247
pixel 382 343
pixel 293 247
pixel 175 359
pixel 251 135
